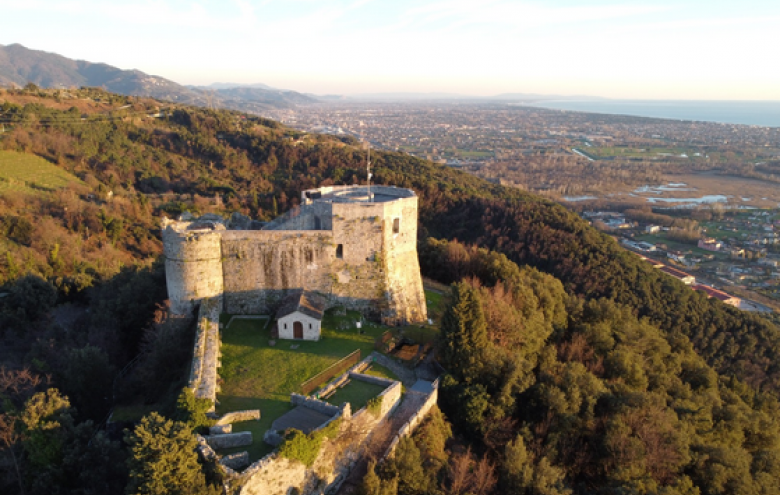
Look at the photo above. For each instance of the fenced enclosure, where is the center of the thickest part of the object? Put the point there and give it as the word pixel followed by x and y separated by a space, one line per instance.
pixel 333 370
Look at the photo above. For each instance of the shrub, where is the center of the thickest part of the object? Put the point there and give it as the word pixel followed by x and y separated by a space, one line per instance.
pixel 374 406
pixel 332 430
pixel 301 447
pixel 305 448
pixel 192 411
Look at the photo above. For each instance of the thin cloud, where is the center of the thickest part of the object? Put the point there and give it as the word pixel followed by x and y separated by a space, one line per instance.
pixel 519 15
pixel 145 12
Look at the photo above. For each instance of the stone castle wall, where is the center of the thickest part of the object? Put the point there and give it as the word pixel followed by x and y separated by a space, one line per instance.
pixel 360 254
pixel 260 267
pixel 274 475
pixel 206 355
pixel 193 267
pixel 404 287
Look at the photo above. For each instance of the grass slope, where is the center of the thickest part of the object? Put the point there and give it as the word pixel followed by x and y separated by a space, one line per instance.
pixel 30 173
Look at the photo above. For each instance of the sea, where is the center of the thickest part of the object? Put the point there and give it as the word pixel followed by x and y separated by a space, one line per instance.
pixel 757 113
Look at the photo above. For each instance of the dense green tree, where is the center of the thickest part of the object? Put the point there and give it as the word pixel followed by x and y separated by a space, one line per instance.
pixel 32 297
pixel 464 334
pixel 517 469
pixel 64 457
pixel 374 485
pixel 431 437
pixel 163 460
pixel 408 467
pixel 87 380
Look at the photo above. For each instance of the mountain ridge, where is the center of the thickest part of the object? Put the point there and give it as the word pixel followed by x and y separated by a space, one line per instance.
pixel 20 65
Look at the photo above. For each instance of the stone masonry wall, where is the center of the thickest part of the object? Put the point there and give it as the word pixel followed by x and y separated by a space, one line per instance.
pixel 416 419
pixel 274 475
pixel 404 288
pixel 359 277
pixel 314 404
pixel 261 267
pixel 237 416
pixel 193 267
pixel 360 254
pixel 206 354
pixel 376 380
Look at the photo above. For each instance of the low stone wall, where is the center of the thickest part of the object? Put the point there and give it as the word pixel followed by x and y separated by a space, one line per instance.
pixel 337 383
pixel 229 440
pixel 235 461
pixel 382 382
pixel 273 437
pixel 315 404
pixel 404 374
pixel 205 355
pixel 220 429
pixel 274 475
pixel 342 379
pixel 416 419
pixel 238 416
pixel 391 396
pixel 207 454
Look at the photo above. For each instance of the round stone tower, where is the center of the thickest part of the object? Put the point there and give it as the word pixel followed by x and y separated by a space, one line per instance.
pixel 193 261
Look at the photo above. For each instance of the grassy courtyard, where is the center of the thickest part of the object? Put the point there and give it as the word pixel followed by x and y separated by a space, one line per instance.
pixel 257 375
pixel 357 393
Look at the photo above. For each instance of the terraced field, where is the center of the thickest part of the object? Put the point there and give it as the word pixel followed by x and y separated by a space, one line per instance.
pixel 30 173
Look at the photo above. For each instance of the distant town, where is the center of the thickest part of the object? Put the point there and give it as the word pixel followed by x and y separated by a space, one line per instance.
pixel 556 153
pixel 698 199
pixel 735 259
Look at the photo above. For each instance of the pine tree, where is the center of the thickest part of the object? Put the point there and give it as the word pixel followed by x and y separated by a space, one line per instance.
pixel 464 333
pixel 163 459
pixel 412 479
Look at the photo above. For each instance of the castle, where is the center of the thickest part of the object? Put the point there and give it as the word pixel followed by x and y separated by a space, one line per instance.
pixel 354 245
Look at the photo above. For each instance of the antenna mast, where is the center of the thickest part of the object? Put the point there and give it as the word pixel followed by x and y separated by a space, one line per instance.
pixel 368 169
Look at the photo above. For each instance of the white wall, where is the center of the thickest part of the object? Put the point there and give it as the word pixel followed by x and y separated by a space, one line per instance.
pixel 311 326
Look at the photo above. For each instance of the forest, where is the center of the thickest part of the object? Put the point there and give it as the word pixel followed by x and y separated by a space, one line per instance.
pixel 572 365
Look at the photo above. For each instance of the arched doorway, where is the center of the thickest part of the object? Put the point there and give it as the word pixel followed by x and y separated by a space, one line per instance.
pixel 297 330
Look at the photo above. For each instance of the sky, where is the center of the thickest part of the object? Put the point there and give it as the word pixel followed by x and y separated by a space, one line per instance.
pixel 683 49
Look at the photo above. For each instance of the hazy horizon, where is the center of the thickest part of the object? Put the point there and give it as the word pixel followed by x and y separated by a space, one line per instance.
pixel 685 50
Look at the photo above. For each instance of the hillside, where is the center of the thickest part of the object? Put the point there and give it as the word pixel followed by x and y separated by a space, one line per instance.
pixel 20 66
pixel 573 367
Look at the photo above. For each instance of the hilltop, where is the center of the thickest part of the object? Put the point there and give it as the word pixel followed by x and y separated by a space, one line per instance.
pixel 573 365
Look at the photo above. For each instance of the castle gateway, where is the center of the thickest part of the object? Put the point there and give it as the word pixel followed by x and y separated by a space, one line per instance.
pixel 355 246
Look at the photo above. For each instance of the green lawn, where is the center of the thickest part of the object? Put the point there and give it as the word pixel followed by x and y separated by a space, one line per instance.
pixel 380 371
pixel 23 171
pixel 357 393
pixel 259 376
pixel 425 333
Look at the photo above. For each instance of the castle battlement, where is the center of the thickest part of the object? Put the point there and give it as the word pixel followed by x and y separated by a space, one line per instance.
pixel 358 249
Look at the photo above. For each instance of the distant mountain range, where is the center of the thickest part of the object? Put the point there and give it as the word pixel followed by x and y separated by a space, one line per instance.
pixel 20 65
